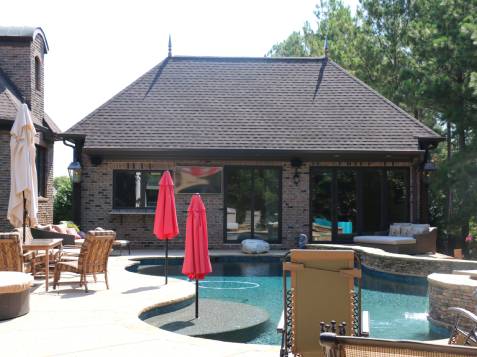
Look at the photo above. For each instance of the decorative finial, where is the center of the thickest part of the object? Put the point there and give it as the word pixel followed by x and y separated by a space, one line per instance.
pixel 326 46
pixel 169 52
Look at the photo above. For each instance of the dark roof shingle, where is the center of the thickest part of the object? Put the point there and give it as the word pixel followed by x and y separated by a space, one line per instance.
pixel 306 104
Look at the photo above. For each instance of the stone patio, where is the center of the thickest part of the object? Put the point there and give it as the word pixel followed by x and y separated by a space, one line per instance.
pixel 70 322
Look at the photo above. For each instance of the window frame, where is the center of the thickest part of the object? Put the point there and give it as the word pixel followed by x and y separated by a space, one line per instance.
pixel 279 169
pixel 41 164
pixel 143 189
pixel 37 73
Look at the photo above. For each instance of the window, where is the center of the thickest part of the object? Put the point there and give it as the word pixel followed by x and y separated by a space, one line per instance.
pixel 135 189
pixel 37 74
pixel 198 179
pixel 346 201
pixel 253 203
pixel 40 163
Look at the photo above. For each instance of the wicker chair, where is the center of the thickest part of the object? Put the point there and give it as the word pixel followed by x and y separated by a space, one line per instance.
pixel 93 258
pixel 344 346
pixel 12 257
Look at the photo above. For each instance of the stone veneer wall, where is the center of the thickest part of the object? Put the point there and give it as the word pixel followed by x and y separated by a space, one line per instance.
pixel 401 264
pixel 449 290
pixel 96 201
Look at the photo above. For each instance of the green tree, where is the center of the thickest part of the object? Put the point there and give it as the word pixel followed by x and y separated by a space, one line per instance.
pixel 443 41
pixel 62 206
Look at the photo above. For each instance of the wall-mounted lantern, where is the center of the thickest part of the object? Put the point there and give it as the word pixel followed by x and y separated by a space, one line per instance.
pixel 296 163
pixel 74 171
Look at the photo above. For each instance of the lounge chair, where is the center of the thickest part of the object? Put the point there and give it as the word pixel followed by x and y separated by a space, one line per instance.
pixel 12 257
pixel 464 331
pixel 322 290
pixel 346 346
pixel 92 260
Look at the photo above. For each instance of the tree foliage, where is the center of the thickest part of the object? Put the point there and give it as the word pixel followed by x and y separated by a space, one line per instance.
pixel 62 206
pixel 422 55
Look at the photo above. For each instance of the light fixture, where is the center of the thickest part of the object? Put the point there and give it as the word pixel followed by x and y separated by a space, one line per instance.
pixel 429 167
pixel 296 163
pixel 74 171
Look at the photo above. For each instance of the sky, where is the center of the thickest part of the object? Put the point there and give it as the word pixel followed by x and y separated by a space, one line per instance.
pixel 98 47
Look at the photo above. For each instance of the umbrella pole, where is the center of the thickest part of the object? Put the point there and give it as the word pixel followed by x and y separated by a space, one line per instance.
pixel 24 216
pixel 196 298
pixel 167 254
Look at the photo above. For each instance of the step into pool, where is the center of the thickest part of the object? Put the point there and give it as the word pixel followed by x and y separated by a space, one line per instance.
pixel 397 305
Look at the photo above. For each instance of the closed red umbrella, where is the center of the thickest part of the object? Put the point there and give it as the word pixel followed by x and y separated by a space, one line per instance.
pixel 165 220
pixel 196 260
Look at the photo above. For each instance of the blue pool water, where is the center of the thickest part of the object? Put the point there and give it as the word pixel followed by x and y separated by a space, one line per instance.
pixel 397 306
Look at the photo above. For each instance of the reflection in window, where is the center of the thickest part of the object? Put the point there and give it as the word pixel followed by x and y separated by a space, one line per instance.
pixel 198 179
pixel 253 201
pixel 321 203
pixel 372 200
pixel 398 183
pixel 135 189
pixel 346 208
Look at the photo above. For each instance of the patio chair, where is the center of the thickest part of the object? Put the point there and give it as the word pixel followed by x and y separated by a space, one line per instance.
pixel 12 257
pixel 464 331
pixel 322 291
pixel 346 346
pixel 92 260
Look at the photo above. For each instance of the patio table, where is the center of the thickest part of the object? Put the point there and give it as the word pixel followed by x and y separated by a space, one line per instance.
pixel 46 245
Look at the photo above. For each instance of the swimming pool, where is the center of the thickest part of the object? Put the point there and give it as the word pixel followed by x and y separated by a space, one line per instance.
pixel 397 305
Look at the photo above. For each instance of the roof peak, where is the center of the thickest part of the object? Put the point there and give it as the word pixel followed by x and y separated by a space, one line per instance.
pixel 245 58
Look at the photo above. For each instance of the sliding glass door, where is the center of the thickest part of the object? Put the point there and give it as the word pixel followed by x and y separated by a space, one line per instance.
pixel 349 201
pixel 252 203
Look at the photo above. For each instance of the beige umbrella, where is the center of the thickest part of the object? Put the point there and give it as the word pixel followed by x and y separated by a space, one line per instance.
pixel 23 180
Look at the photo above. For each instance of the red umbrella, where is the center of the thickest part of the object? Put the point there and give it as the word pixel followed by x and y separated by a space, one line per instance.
pixel 196 260
pixel 165 220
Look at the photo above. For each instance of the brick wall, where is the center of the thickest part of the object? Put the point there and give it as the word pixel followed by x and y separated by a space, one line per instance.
pixel 45 204
pixel 17 60
pixel 96 198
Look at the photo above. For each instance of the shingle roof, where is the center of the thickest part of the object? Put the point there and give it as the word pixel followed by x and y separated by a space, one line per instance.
pixel 10 100
pixel 306 104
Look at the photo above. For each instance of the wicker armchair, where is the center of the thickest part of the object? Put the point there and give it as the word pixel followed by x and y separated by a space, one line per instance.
pixel 93 258
pixel 344 346
pixel 12 257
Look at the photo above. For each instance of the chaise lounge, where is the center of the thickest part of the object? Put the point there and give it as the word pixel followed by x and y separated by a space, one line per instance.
pixel 404 238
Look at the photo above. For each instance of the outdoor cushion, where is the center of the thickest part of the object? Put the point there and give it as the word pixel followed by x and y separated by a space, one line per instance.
pixel 14 282
pixel 60 228
pixel 391 240
pixel 255 246
pixel 394 230
pixel 413 229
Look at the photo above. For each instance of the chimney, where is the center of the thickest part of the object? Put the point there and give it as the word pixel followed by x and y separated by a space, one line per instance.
pixel 22 51
pixel 169 47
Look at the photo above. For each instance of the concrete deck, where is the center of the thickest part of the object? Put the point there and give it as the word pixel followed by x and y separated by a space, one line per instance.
pixel 70 322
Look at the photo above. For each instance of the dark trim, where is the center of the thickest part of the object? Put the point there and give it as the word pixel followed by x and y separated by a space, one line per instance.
pixel 279 169
pixel 255 154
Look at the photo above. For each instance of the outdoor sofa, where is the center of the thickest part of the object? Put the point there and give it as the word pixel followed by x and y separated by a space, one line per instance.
pixel 405 238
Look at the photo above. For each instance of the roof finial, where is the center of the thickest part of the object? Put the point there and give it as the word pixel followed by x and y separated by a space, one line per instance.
pixel 326 46
pixel 169 51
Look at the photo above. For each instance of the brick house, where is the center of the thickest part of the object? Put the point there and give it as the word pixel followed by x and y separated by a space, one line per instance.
pixel 276 146
pixel 22 51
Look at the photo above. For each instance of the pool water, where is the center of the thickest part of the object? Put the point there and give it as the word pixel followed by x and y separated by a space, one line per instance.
pixel 397 306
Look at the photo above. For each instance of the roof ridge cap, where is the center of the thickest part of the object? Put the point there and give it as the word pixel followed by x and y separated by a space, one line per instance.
pixel 382 97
